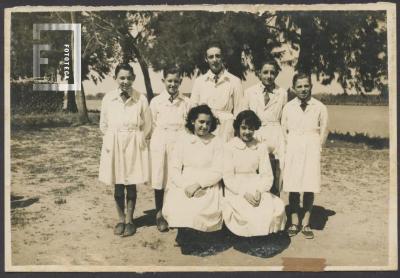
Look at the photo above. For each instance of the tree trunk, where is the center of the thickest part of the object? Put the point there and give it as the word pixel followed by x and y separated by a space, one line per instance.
pixel 305 55
pixel 144 68
pixel 82 109
pixel 71 103
pixel 79 94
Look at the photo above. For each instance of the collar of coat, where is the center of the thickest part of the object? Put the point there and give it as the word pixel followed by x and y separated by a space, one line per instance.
pixel 194 139
pixel 135 95
pixel 239 144
pixel 223 75
pixel 165 97
pixel 311 101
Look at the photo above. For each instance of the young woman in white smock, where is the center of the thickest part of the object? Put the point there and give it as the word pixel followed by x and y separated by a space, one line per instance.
pixel 249 208
pixel 125 121
pixel 193 193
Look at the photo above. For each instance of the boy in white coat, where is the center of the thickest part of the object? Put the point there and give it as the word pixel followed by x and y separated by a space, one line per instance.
pixel 169 110
pixel 304 121
pixel 267 100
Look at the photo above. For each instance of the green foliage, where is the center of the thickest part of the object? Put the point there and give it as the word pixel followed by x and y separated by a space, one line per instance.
pixel 350 43
pixel 180 38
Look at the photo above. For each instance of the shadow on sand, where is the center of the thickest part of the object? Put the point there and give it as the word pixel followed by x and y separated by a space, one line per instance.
pixel 146 220
pixel 318 219
pixel 204 244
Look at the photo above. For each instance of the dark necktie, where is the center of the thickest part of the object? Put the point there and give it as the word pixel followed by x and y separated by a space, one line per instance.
pixel 303 105
pixel 124 95
pixel 171 98
pixel 216 77
pixel 266 96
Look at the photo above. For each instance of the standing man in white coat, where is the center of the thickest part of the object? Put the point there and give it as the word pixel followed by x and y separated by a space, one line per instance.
pixel 221 91
pixel 304 121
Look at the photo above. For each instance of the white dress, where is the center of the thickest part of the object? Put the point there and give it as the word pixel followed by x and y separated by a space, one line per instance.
pixel 305 133
pixel 225 98
pixel 195 161
pixel 271 131
pixel 247 169
pixel 124 153
pixel 168 123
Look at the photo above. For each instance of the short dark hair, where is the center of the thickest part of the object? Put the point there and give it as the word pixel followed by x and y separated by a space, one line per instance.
pixel 249 118
pixel 194 113
pixel 211 45
pixel 171 70
pixel 124 66
pixel 269 61
pixel 301 75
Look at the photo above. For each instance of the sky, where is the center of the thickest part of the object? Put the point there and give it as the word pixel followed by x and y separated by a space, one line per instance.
pixel 284 80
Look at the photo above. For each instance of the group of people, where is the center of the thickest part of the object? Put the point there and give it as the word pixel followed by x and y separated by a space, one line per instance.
pixel 222 156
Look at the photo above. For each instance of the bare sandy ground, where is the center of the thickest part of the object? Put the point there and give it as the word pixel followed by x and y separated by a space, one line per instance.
pixel 71 220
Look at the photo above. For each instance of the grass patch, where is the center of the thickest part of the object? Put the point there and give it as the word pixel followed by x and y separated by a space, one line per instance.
pixel 366 100
pixel 38 121
pixel 360 138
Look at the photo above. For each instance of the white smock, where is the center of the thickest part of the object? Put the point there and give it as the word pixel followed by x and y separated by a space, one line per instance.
pixel 168 123
pixel 195 161
pixel 125 125
pixel 246 170
pixel 225 98
pixel 305 133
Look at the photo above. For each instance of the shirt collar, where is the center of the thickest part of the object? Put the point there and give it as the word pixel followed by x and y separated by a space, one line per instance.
pixel 311 101
pixel 132 93
pixel 261 87
pixel 223 75
pixel 239 144
pixel 166 96
pixel 194 139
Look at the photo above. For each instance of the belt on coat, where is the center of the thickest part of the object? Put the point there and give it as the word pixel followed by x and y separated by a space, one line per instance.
pixel 271 123
pixel 304 132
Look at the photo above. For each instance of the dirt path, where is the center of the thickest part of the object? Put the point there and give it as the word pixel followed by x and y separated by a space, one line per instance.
pixel 72 221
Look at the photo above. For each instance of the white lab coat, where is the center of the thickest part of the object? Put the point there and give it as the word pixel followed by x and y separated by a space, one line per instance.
pixel 305 133
pixel 225 98
pixel 125 126
pixel 168 123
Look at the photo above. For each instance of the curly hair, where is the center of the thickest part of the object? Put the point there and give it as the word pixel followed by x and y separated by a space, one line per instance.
pixel 194 113
pixel 247 117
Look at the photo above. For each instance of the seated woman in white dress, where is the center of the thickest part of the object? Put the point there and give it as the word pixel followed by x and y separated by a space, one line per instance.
pixel 193 193
pixel 249 208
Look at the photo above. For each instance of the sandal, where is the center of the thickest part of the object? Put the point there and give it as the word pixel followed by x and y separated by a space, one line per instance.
pixel 293 230
pixel 119 229
pixel 130 229
pixel 307 232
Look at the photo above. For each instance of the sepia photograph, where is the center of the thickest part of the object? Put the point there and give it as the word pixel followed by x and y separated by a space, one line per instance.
pixel 227 137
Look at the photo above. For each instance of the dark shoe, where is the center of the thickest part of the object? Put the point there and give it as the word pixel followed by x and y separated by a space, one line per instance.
pixel 293 230
pixel 162 224
pixel 130 229
pixel 119 229
pixel 307 232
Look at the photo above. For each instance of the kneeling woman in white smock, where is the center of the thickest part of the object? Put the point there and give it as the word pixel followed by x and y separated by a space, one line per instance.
pixel 193 193
pixel 247 172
